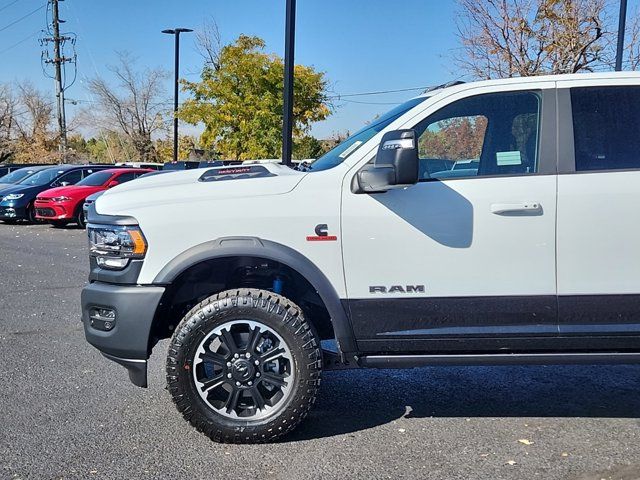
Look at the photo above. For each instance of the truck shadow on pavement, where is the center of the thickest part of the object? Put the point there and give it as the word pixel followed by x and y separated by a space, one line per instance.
pixel 352 401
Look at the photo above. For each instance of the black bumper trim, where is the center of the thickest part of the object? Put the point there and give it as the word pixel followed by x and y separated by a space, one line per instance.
pixel 135 307
pixel 137 369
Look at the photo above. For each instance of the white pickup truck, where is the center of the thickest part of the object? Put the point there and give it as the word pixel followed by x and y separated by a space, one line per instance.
pixel 382 251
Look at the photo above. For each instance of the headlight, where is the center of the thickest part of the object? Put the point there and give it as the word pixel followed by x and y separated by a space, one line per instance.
pixel 14 196
pixel 60 199
pixel 114 245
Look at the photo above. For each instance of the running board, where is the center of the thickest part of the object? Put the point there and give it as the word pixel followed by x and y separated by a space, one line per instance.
pixel 409 361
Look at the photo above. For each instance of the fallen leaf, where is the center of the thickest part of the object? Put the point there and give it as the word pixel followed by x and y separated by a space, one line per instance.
pixel 524 441
pixel 511 462
pixel 401 430
pixel 565 454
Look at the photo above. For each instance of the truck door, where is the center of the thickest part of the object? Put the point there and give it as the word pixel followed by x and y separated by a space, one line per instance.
pixel 465 259
pixel 598 215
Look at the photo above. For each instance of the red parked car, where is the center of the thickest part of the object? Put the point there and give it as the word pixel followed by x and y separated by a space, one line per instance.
pixel 62 205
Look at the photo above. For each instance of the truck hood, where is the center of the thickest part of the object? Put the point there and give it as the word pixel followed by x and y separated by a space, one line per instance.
pixel 189 186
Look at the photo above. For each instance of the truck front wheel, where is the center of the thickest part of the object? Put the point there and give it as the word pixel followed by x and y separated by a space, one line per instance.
pixel 244 366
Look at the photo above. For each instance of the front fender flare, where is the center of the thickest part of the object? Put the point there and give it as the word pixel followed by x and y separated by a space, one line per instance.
pixel 256 247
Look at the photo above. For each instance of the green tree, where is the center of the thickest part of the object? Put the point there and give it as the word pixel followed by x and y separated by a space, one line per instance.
pixel 307 147
pixel 239 101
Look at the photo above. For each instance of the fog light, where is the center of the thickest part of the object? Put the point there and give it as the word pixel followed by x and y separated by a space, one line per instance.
pixel 102 318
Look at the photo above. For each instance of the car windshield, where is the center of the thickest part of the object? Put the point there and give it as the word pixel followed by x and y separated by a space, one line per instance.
pixel 16 175
pixel 95 179
pixel 338 154
pixel 42 178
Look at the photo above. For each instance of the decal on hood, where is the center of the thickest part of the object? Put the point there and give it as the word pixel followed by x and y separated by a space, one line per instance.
pixel 235 173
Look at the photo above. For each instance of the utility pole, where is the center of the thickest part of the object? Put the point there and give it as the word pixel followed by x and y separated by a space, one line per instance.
pixel 622 20
pixel 289 49
pixel 176 83
pixel 58 60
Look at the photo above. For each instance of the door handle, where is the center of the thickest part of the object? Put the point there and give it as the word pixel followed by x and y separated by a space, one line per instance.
pixel 524 208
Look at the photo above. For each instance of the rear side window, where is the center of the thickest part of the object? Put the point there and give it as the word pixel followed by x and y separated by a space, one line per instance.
pixel 126 177
pixel 606 127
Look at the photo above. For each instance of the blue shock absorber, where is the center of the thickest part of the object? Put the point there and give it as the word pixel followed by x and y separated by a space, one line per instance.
pixel 277 285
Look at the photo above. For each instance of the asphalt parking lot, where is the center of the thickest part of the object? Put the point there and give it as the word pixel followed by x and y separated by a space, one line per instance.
pixel 66 412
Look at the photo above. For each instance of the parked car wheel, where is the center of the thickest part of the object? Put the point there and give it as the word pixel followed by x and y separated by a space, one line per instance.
pixel 31 214
pixel 80 220
pixel 244 366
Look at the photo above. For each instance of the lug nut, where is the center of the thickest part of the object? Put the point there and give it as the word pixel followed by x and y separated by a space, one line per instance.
pixel 228 364
pixel 249 383
pixel 257 374
pixel 237 384
pixel 237 355
pixel 248 355
pixel 257 362
pixel 228 375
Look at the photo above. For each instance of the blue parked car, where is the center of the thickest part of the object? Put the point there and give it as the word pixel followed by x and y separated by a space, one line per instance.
pixel 16 176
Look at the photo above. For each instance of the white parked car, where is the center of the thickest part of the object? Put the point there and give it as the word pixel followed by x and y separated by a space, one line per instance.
pixel 530 256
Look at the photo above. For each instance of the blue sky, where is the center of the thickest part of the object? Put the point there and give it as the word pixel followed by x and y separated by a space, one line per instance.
pixel 362 45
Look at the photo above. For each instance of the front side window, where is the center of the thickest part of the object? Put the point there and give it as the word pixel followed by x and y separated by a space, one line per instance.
pixel 490 134
pixel 606 127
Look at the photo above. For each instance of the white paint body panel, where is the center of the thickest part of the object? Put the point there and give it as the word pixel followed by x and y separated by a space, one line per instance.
pixel 444 235
pixel 599 233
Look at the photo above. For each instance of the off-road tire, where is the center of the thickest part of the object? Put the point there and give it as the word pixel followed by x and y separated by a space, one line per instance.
pixel 271 310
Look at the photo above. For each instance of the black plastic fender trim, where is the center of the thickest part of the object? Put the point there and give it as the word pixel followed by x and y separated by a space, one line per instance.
pixel 256 247
pixel 137 369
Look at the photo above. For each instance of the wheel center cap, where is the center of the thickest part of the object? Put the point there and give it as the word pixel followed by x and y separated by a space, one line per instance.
pixel 242 370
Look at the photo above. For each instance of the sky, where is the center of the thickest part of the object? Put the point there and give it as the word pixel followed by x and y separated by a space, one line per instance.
pixel 361 45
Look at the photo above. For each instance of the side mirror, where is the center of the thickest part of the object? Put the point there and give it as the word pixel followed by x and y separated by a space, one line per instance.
pixel 112 183
pixel 396 164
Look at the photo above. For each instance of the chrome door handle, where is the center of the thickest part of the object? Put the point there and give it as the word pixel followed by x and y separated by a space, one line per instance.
pixel 524 208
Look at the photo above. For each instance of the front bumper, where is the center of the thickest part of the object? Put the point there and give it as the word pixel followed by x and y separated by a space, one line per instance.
pixel 127 339
pixel 12 212
pixel 53 211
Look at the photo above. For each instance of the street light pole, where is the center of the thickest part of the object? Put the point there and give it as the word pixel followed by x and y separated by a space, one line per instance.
pixel 176 32
pixel 289 48
pixel 622 20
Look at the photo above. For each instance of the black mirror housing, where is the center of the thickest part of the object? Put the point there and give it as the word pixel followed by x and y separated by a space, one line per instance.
pixel 396 164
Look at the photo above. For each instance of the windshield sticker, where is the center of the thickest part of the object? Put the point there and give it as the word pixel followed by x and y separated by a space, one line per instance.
pixel 350 150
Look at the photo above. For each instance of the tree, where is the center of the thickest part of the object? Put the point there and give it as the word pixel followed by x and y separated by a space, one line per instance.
pixel 33 140
pixel 164 147
pixel 135 107
pixel 507 38
pixel 239 100
pixel 307 147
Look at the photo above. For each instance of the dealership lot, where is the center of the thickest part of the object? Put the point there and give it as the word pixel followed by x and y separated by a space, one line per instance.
pixel 68 413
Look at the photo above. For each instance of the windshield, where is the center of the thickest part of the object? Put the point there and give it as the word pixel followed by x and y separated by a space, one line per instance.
pixel 42 178
pixel 96 179
pixel 16 175
pixel 338 154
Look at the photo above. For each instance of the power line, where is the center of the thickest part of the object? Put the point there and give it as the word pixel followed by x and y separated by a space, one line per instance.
pixel 22 18
pixel 379 92
pixel 8 5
